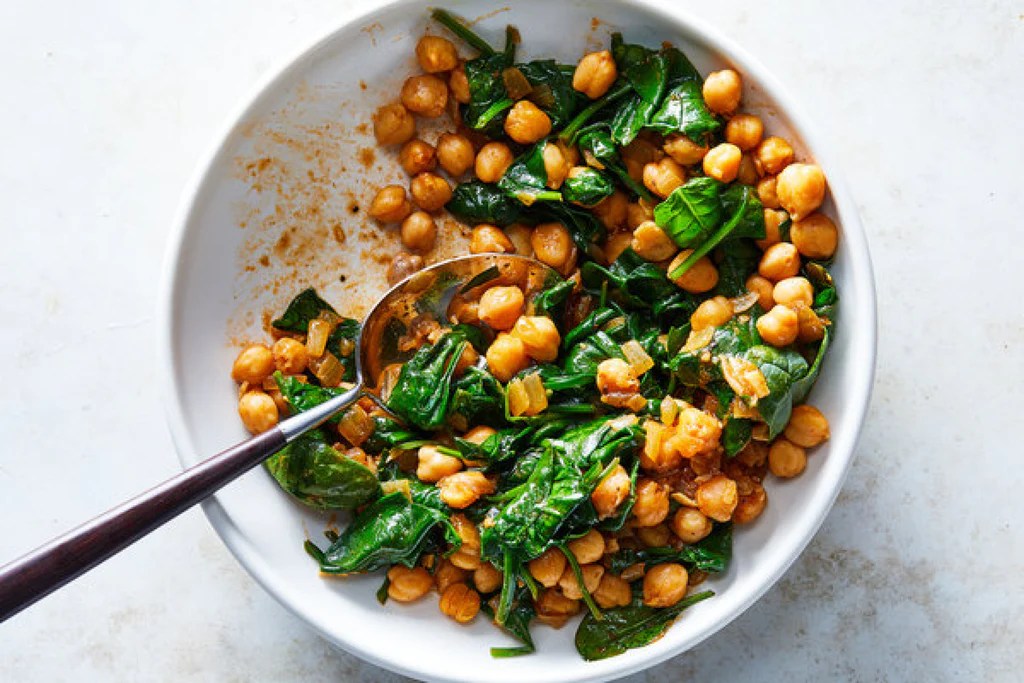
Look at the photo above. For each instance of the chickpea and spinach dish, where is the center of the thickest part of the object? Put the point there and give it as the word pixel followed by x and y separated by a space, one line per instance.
pixel 584 447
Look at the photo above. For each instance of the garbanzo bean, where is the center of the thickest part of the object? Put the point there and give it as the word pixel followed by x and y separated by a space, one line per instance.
pixel 519 236
pixel 638 154
pixel 433 465
pixel 786 459
pixel 554 609
pixel 767 192
pixel 664 176
pixel 611 492
pixel 455 154
pixel 588 547
pixel 652 243
pixel 637 213
pixel 462 489
pixel 655 536
pixel 500 307
pixel 615 376
pixel 417 156
pixel 479 434
pixel 390 205
pixel 779 261
pixel 815 237
pixel 527 123
pixel 290 356
pixel 595 74
pixel 419 231
pixel 793 291
pixel 713 312
pixel 651 506
pixel 717 497
pixel 570 586
pixel 468 554
pixel 539 336
pixel 747 174
pixel 426 95
pixel 547 568
pixel 492 161
pixel 751 505
pixel 612 591
pixel 402 266
pixel 459 84
pixel 487 578
pixel 407 585
pixel 744 131
pixel 807 426
pixel 430 191
pixel 436 54
pixel 447 574
pixel 773 155
pixel 556 167
pixel 611 210
pixel 764 289
pixel 253 364
pixel 684 150
pixel 722 162
pixel 701 277
pixel 393 125
pixel 258 411
pixel 665 584
pixel 779 326
pixel 552 244
pixel 488 239
pixel 460 602
pixel 691 525
pixel 506 356
pixel 773 220
pixel 722 91
pixel 800 189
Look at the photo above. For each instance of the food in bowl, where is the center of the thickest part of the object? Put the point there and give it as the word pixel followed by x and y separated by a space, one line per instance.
pixel 585 443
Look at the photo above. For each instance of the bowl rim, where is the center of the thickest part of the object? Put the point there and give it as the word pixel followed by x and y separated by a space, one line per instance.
pixel 856 396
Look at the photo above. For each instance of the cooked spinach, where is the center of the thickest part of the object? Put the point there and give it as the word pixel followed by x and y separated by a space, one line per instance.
pixel 711 554
pixel 683 111
pixel 639 283
pixel 588 187
pixel 478 398
pixel 552 89
pixel 526 179
pixel 476 202
pixel 310 469
pixel 598 144
pixel 422 393
pixel 302 309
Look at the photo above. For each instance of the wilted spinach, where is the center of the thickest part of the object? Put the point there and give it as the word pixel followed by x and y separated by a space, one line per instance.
pixel 314 472
pixel 422 394
pixel 476 202
pixel 587 187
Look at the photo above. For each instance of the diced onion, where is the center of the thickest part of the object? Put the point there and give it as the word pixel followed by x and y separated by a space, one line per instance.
pixel 683 499
pixel 655 433
pixel 328 369
pixel 536 394
pixel 743 302
pixel 741 409
pixel 669 410
pixel 355 425
pixel 397 485
pixel 330 317
pixel 346 347
pixel 743 377
pixel 636 402
pixel 518 399
pixel 760 432
pixel 316 340
pixel 637 357
pixel 698 339
pixel 516 84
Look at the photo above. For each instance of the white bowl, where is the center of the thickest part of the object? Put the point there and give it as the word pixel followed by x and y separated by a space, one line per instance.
pixel 290 159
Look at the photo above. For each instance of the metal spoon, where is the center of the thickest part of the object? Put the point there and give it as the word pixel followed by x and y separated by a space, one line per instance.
pixel 432 291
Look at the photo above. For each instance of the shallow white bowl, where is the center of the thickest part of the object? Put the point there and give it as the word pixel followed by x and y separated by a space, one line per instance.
pixel 272 211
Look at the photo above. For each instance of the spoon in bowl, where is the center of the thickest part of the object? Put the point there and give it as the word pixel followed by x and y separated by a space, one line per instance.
pixel 434 292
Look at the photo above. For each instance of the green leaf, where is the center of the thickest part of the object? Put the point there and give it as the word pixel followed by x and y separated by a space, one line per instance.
pixel 312 471
pixel 711 554
pixel 526 179
pixel 587 187
pixel 802 387
pixel 552 90
pixel 739 261
pixel 746 219
pixel 781 368
pixel 692 213
pixel 476 202
pixel 736 435
pixel 479 399
pixel 303 308
pixel 683 111
pixel 422 393
pixel 598 142
pixel 302 396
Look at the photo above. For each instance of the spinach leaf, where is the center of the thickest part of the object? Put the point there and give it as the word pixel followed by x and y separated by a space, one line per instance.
pixel 312 471
pixel 782 368
pixel 302 396
pixel 587 187
pixel 552 300
pixel 449 21
pixel 639 283
pixel 303 308
pixel 342 344
pixel 683 111
pixel 598 144
pixel 583 226
pixel 736 435
pixel 526 179
pixel 802 387
pixel 516 624
pixel 826 298
pixel 599 441
pixel 422 393
pixel 739 260
pixel 552 90
pixel 692 212
pixel 711 554
pixel 476 202
pixel 478 399
pixel 746 220
pixel 488 99
pixel 389 433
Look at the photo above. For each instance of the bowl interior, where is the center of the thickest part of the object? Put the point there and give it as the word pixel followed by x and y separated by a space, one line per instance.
pixel 281 206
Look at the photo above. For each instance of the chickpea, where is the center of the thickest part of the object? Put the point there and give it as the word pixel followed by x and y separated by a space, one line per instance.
pixel 779 326
pixel 747 174
pixel 570 586
pixel 764 289
pixel 751 505
pixel 713 312
pixel 773 155
pixel 617 244
pixel 744 131
pixel 815 236
pixel 684 150
pixel 779 262
pixel 615 376
pixel 638 154
pixel 447 574
pixel 402 266
pixel 390 205
pixel 638 212
pixel 500 307
pixel 486 239
pixel 462 489
pixel 786 459
pixel 722 91
pixel 800 189
pixel 419 231
pixel 767 192
pixel 479 434
pixel 506 356
pixel 459 85
pixel 793 291
pixel 722 162
pixel 691 525
pixel 812 328
pixel 701 277
pixel 468 555
pixel 595 74
pixel 253 365
pixel 588 547
pixel 492 161
pixel 430 191
pixel 613 591
pixel 436 54
pixel 665 584
pixel 258 411
pixel 651 505
pixel 426 95
pixel 717 497
pixel 611 492
pixel 664 176
pixel 556 167
pixel 656 536
pixel 416 156
pixel 552 244
pixel 547 568
pixel 773 221
pixel 460 602
pixel 527 123
pixel 520 237
pixel 807 426
pixel 611 210
pixel 652 243
pixel 455 154
pixel 554 609
pixel 407 585
pixel 539 336
pixel 487 578
pixel 393 125
pixel 433 465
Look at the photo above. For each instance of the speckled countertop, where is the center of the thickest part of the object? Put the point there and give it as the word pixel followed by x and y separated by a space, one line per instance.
pixel 918 573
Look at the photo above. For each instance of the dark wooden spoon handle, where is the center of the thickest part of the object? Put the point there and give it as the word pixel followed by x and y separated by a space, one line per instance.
pixel 50 566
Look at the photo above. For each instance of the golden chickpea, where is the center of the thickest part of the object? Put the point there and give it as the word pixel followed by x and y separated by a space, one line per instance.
pixel 570 586
pixel 519 236
pixel 651 506
pixel 665 584
pixel 459 85
pixel 433 465
pixel 691 525
pixel 556 167
pixel 500 307
pixel 426 95
pixel 638 212
pixel 638 154
pixel 253 364
pixel 722 91
pixel 767 192
pixel 393 125
pixel 611 210
pixel 779 261
pixel 722 162
pixel 506 356
pixel 290 356
pixel 402 266
pixel 436 54
pixel 779 326
pixel 258 411
pixel 417 156
pixel 527 123
pixel 455 154
pixel 419 231
pixel 807 427
pixel 390 205
pixel 664 176
pixel 487 578
pixel 552 244
pixel 479 434
pixel 653 536
pixel 407 585
pixel 800 189
pixel 615 376
pixel 488 239
pixel 701 277
pixel 462 489
pixel 447 574
pixel 652 243
pixel 773 220
pixel 615 245
pixel 717 497
pixel 613 591
pixel 430 191
pixel 611 492
pixel 815 237
pixel 764 289
pixel 460 602
pixel 588 547
pixel 773 155
pixel 547 568
pixel 793 291
pixel 468 554
pixel 554 609
pixel 492 161
pixel 713 312
pixel 812 328
pixel 539 336
pixel 786 459
pixel 747 175
pixel 684 150
pixel 595 74
pixel 744 131
pixel 751 505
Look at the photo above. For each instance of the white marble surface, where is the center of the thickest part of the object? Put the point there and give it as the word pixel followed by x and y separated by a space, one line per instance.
pixel 918 574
